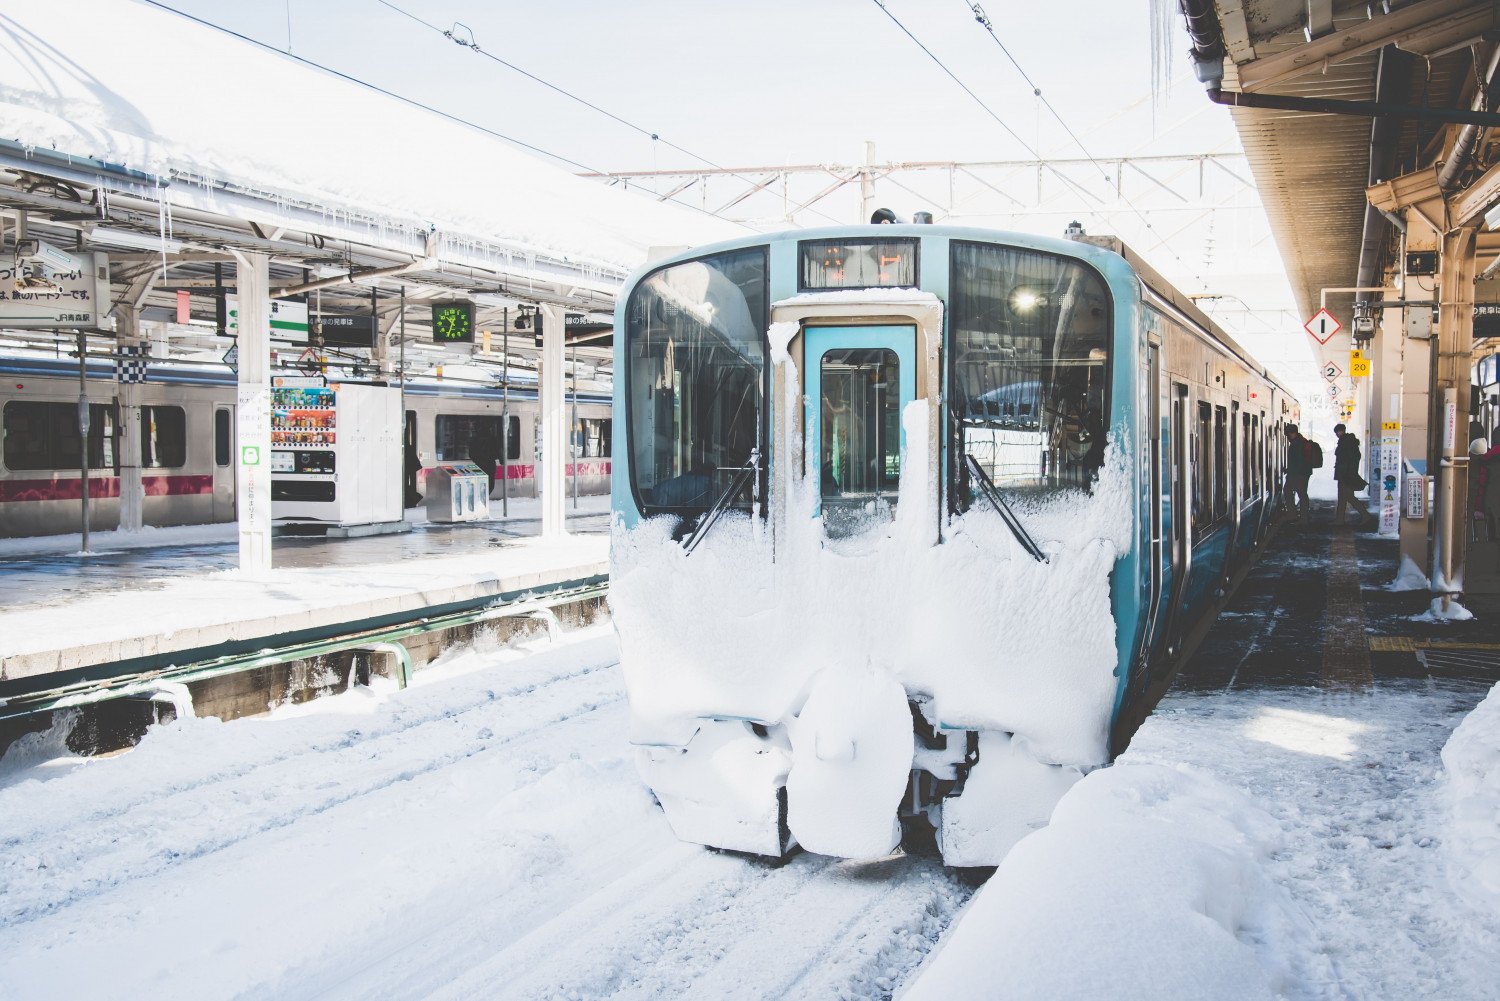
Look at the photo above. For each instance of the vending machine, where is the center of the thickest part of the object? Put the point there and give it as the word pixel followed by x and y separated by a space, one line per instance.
pixel 335 452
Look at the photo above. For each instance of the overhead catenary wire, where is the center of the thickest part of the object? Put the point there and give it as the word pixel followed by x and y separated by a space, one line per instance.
pixel 1077 188
pixel 374 87
pixel 470 42
pixel 984 22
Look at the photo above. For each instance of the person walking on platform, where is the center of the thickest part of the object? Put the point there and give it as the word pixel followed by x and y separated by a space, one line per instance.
pixel 1346 474
pixel 1299 467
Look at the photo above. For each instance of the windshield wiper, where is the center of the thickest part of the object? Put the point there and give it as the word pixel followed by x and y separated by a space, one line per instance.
pixel 991 494
pixel 711 516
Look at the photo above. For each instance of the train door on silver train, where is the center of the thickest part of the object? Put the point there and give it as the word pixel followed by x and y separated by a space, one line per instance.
pixel 858 382
pixel 1158 502
pixel 1182 515
pixel 223 473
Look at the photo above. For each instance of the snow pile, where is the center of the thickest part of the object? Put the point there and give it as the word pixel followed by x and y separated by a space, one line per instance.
pixel 999 640
pixel 186 108
pixel 1409 578
pixel 1437 613
pixel 1154 876
pixel 1472 760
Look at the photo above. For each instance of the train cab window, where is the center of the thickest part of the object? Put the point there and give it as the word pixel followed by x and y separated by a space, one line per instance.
pixel 695 368
pixel 44 436
pixel 163 437
pixel 1221 462
pixel 1030 369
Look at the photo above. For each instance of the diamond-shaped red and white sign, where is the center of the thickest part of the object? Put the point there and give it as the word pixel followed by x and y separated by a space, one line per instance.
pixel 1331 371
pixel 1323 325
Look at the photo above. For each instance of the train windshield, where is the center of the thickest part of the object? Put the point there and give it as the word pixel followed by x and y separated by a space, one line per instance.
pixel 1030 362
pixel 696 336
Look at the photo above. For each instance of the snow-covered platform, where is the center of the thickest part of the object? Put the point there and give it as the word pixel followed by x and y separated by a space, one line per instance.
pixel 177 605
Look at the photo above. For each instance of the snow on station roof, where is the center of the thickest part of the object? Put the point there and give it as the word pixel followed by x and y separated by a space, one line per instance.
pixel 132 97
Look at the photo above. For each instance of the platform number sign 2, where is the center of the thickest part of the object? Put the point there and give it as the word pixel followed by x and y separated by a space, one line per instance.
pixel 1323 326
pixel 453 322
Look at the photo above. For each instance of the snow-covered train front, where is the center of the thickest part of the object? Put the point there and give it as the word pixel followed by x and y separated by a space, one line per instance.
pixel 912 526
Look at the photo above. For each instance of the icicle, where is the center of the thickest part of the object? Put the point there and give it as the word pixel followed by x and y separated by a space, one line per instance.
pixel 1162 40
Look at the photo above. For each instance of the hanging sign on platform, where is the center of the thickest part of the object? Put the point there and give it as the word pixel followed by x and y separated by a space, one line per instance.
pixel 1323 325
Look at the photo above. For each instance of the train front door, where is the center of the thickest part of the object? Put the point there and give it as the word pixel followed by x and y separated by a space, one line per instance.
pixel 858 382
pixel 224 467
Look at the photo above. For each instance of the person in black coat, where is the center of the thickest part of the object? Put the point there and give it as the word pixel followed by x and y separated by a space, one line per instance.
pixel 1346 473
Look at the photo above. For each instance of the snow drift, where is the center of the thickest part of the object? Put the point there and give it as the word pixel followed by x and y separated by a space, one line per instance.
pixel 1472 760
pixel 1156 874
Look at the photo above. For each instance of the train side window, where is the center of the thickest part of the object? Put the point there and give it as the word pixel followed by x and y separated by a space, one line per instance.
pixel 163 437
pixel 513 440
pixel 1246 453
pixel 1203 478
pixel 221 437
pixel 593 437
pixel 45 435
pixel 1221 463
pixel 475 437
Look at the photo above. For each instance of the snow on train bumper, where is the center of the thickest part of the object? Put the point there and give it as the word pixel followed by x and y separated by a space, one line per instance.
pixel 1006 795
pixel 725 787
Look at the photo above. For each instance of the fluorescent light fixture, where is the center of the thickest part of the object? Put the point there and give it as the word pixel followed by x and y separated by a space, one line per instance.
pixel 135 241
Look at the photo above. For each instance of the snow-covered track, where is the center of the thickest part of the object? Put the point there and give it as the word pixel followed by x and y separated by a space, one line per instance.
pixel 482 834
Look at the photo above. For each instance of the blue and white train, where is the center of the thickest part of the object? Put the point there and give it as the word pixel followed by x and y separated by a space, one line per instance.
pixel 915 524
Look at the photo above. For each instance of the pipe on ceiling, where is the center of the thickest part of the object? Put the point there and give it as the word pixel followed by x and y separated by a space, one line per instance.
pixel 1470 135
pixel 1208 41
pixel 1356 109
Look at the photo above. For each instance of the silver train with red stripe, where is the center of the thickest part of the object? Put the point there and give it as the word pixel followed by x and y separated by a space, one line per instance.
pixel 187 415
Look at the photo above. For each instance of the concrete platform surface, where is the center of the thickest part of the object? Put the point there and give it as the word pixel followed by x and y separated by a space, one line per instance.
pixel 50 570
pixel 1319 611
pixel 207 609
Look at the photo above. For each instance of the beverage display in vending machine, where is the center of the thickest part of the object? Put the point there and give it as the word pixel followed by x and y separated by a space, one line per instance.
pixel 335 451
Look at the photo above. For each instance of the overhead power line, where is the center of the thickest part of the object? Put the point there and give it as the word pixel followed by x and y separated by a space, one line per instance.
pixel 989 27
pixel 370 86
pixel 462 35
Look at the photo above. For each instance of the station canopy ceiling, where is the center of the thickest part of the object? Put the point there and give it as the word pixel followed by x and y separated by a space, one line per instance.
pixel 1312 169
pixel 131 130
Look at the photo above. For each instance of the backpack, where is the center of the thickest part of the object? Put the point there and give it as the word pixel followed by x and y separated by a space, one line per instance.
pixel 1314 454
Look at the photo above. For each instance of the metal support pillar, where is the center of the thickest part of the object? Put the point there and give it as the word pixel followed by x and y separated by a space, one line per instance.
pixel 554 416
pixel 1454 359
pixel 132 489
pixel 83 438
pixel 253 466
pixel 1416 411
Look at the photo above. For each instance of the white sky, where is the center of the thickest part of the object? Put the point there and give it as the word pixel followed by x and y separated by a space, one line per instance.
pixel 803 81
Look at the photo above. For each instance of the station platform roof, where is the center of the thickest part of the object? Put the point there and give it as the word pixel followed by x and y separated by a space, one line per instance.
pixel 1312 169
pixel 166 142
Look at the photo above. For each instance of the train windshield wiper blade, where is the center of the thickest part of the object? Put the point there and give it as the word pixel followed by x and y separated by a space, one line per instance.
pixel 712 514
pixel 991 494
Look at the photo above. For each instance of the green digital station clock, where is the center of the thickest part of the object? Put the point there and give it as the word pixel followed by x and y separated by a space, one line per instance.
pixel 453 322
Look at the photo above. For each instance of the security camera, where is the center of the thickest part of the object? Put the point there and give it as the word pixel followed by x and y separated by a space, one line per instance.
pixel 40 254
